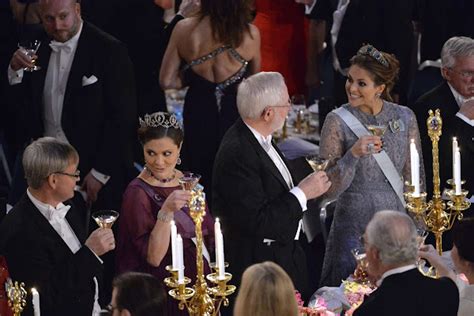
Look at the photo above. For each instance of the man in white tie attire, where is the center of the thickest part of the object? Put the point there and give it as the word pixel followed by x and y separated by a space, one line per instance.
pixel 43 240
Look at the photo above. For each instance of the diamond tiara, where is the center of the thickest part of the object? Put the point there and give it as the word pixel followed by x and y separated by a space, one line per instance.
pixel 374 53
pixel 158 119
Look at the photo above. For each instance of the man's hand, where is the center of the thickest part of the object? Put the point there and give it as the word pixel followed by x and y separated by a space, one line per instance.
pixel 189 8
pixel 315 184
pixel 92 187
pixel 20 59
pixel 101 241
pixel 467 109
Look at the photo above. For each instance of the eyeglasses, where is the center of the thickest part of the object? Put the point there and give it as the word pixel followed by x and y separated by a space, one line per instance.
pixel 76 174
pixel 464 74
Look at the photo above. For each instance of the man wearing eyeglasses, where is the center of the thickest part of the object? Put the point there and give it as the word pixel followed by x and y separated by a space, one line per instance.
pixel 455 99
pixel 43 240
pixel 256 195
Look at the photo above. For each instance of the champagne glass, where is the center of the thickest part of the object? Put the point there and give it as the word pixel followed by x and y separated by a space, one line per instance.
pixel 30 47
pixel 317 162
pixel 361 272
pixel 377 130
pixel 189 181
pixel 105 218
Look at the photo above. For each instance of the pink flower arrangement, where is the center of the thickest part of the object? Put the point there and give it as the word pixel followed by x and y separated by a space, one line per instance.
pixel 319 309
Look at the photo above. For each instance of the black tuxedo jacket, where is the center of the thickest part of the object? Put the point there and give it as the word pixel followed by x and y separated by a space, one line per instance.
pixel 442 98
pixel 38 256
pixel 99 119
pixel 253 202
pixel 411 293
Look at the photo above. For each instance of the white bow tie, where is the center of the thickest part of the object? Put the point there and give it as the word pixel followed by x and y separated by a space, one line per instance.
pixel 58 46
pixel 58 213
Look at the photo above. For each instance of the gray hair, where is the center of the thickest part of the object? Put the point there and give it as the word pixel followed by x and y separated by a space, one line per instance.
pixel 259 91
pixel 457 46
pixel 394 235
pixel 44 157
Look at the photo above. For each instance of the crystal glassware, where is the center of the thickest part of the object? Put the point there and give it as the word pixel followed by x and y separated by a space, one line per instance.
pixel 317 162
pixel 361 271
pixel 30 47
pixel 377 130
pixel 105 218
pixel 189 180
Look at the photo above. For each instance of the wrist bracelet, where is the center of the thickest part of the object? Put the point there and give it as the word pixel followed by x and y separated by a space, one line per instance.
pixel 164 216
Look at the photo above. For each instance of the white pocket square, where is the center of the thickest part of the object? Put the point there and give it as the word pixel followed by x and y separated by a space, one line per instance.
pixel 87 81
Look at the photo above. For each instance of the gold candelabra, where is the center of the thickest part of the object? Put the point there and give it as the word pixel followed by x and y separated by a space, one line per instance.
pixel 200 300
pixel 435 214
pixel 16 296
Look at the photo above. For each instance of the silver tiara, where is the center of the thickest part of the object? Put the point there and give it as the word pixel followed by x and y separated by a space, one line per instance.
pixel 374 53
pixel 158 119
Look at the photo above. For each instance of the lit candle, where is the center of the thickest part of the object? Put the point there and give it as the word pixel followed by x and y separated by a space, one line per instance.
pixel 220 255
pixel 415 168
pixel 180 260
pixel 173 245
pixel 36 302
pixel 217 231
pixel 455 148
pixel 457 172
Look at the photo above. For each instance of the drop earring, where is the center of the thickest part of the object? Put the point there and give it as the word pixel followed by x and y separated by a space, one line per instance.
pixel 178 161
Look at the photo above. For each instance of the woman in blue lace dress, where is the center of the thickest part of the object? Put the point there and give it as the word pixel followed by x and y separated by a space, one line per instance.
pixel 368 170
pixel 218 48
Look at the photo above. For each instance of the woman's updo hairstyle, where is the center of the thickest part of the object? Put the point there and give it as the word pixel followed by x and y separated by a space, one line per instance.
pixel 382 67
pixel 158 125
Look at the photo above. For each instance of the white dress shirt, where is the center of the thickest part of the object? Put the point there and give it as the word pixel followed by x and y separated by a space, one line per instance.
pixel 266 143
pixel 56 216
pixel 466 297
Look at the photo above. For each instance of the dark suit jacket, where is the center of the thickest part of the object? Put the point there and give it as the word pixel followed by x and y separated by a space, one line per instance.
pixel 411 293
pixel 38 256
pixel 253 202
pixel 99 119
pixel 442 98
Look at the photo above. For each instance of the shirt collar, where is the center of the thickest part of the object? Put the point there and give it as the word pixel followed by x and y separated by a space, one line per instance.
pixel 72 42
pixel 265 142
pixel 458 97
pixel 49 212
pixel 395 271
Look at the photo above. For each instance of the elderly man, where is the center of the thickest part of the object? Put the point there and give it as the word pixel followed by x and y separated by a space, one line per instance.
pixel 455 99
pixel 83 93
pixel 255 195
pixel 391 247
pixel 137 294
pixel 43 240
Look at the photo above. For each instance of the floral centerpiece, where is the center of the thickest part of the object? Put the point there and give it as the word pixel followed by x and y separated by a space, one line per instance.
pixel 355 293
pixel 319 308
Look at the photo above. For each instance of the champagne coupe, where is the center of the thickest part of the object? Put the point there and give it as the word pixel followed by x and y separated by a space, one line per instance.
pixel 361 271
pixel 189 180
pixel 106 218
pixel 317 162
pixel 377 130
pixel 30 48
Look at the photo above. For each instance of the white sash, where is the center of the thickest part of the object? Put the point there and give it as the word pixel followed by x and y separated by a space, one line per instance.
pixel 383 160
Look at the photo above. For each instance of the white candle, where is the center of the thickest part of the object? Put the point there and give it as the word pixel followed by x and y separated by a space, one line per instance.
pixel 457 172
pixel 217 231
pixel 180 261
pixel 220 255
pixel 174 257
pixel 455 148
pixel 415 168
pixel 36 302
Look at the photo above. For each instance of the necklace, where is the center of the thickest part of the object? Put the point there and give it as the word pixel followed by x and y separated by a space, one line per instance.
pixel 165 180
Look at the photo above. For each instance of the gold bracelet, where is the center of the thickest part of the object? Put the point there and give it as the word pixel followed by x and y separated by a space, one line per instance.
pixel 164 216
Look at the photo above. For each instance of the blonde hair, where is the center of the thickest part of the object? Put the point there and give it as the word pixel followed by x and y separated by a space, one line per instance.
pixel 266 290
